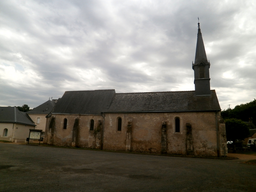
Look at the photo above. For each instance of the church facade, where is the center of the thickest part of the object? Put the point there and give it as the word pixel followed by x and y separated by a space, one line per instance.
pixel 183 122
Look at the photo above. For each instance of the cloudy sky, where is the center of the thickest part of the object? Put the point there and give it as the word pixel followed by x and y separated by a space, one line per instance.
pixel 49 47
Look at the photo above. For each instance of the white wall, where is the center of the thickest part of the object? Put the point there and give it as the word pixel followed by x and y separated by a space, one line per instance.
pixel 16 132
pixel 41 123
pixel 8 126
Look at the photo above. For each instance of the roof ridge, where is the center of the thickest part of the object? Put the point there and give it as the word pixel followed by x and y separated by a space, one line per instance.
pixel 156 92
pixel 91 90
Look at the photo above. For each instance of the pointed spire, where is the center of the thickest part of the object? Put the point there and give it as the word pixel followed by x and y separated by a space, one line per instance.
pixel 201 67
pixel 200 51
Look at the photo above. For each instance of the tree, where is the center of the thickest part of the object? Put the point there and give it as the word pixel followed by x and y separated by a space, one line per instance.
pixel 245 112
pixel 236 129
pixel 24 108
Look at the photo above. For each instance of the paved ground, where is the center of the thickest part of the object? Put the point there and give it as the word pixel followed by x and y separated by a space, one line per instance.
pixel 39 168
pixel 242 157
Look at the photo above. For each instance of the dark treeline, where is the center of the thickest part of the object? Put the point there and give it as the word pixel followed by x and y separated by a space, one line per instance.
pixel 245 112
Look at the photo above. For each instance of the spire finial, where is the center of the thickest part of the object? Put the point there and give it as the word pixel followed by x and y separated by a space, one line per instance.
pixel 198 23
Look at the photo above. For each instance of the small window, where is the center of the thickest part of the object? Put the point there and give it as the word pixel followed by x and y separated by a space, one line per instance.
pixel 91 124
pixel 177 124
pixel 5 133
pixel 38 120
pixel 65 123
pixel 119 124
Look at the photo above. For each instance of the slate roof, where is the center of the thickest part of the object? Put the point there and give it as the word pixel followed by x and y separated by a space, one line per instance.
pixel 13 115
pixel 200 56
pixel 183 101
pixel 44 108
pixel 107 101
pixel 84 102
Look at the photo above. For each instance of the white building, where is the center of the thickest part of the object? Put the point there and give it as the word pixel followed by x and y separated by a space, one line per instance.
pixel 14 124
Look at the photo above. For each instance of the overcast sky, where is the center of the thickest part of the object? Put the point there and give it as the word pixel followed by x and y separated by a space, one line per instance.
pixel 49 47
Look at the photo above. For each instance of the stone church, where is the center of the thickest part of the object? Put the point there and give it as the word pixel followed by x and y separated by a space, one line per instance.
pixel 182 122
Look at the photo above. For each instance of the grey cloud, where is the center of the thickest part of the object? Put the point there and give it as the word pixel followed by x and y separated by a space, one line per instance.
pixel 86 35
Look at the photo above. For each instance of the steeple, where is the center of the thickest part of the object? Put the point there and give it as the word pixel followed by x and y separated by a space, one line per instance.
pixel 201 67
pixel 200 51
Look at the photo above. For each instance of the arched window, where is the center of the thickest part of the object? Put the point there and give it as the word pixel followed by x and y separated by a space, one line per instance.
pixel 91 124
pixel 65 123
pixel 5 133
pixel 177 124
pixel 119 124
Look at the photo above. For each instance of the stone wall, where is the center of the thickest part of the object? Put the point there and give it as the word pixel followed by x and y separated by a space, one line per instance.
pixel 155 133
pixel 77 131
pixel 142 132
pixel 223 139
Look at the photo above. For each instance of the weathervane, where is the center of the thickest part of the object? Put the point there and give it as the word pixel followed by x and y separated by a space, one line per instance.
pixel 198 23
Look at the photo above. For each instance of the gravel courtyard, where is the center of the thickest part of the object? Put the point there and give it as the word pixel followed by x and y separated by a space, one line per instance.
pixel 33 168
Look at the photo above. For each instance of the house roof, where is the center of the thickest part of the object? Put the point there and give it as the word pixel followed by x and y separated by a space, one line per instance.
pixel 13 115
pixel 84 102
pixel 182 101
pixel 44 108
